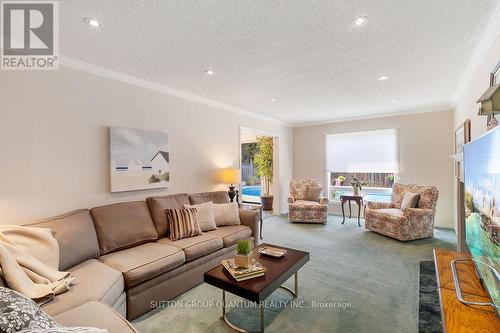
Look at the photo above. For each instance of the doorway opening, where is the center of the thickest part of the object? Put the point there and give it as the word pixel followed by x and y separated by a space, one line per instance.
pixel 255 186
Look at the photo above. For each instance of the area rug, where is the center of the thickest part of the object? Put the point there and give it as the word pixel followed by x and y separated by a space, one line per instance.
pixel 429 312
pixel 247 315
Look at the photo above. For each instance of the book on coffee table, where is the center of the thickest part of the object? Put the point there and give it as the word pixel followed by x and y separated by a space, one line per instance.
pixel 242 274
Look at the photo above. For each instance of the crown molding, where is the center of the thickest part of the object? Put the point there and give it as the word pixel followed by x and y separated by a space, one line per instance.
pixel 136 81
pixel 487 39
pixel 439 107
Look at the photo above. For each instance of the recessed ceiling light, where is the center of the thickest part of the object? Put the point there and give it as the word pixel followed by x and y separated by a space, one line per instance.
pixel 305 113
pixel 394 100
pixel 91 21
pixel 383 78
pixel 272 100
pixel 360 21
pixel 209 72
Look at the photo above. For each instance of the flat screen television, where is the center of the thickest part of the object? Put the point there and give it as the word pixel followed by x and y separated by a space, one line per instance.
pixel 482 208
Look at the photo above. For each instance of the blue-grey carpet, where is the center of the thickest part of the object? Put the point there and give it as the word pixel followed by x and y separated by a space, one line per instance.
pixel 429 311
pixel 356 281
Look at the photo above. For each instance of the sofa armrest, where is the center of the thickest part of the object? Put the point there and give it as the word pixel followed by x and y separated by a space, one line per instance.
pixel 419 212
pixel 291 200
pixel 323 200
pixel 251 218
pixel 378 205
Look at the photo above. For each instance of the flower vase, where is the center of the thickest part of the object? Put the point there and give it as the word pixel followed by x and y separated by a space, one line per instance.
pixel 355 191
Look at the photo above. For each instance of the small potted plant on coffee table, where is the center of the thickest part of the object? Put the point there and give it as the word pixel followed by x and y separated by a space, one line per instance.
pixel 243 257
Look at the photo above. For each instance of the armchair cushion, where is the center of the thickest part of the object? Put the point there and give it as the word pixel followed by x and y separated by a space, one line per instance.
pixel 410 200
pixel 387 213
pixel 378 205
pixel 313 193
pixel 418 212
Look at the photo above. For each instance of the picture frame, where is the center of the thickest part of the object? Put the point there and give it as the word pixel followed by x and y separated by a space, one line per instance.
pixel 494 79
pixel 139 159
pixel 462 136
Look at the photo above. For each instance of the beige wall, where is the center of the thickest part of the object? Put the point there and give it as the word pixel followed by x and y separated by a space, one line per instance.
pixel 425 146
pixel 54 141
pixel 471 89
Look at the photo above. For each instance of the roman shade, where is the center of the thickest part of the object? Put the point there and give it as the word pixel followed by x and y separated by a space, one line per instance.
pixel 369 151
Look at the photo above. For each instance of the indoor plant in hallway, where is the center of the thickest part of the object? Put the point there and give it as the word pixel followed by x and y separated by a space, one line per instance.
pixel 263 160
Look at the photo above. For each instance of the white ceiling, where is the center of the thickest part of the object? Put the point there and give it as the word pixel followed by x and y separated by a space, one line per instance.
pixel 305 54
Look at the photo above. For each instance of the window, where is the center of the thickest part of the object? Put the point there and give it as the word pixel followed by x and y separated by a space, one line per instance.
pixel 370 156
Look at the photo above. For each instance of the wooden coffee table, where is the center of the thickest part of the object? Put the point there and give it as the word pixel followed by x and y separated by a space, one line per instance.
pixel 258 289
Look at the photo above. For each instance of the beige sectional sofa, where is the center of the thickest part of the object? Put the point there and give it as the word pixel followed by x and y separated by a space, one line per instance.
pixel 124 263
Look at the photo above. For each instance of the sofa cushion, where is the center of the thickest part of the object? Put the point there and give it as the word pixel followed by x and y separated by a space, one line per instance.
pixel 157 206
pixel 95 314
pixel 196 247
pixel 76 236
pixel 183 223
pixel 205 214
pixel 93 281
pixel 144 262
pixel 226 214
pixel 123 225
pixel 217 197
pixel 231 233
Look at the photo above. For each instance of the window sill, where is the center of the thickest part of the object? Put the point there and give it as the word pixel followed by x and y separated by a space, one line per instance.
pixel 378 192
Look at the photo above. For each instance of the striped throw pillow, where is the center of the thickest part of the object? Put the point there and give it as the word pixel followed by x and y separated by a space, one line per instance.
pixel 183 223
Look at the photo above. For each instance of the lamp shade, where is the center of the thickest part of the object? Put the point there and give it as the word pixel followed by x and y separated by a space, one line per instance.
pixel 230 176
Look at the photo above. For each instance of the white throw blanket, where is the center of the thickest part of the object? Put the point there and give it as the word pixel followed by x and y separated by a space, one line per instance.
pixel 29 261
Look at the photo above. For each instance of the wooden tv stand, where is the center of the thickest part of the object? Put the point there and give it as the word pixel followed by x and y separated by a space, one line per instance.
pixel 456 316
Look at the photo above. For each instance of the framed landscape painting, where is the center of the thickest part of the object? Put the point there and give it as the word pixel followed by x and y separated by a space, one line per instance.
pixel 139 159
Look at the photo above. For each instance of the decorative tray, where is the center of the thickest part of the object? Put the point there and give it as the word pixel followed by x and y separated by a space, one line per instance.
pixel 272 252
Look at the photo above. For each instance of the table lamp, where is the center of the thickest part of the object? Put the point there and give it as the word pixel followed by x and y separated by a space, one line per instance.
pixel 230 176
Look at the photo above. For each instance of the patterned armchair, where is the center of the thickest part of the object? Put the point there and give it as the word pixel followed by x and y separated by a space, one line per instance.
pixel 302 210
pixel 388 219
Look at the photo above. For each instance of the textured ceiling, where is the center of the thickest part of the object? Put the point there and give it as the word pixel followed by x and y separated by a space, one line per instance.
pixel 305 54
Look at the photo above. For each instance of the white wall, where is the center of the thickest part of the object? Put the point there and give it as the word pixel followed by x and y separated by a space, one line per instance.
pixel 425 146
pixel 54 141
pixel 466 106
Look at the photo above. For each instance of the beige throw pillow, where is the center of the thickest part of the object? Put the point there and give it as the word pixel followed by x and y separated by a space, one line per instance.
pixel 313 193
pixel 410 200
pixel 183 223
pixel 226 214
pixel 205 215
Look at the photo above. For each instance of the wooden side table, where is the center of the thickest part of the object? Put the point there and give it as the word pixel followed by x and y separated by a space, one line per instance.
pixel 356 198
pixel 254 207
